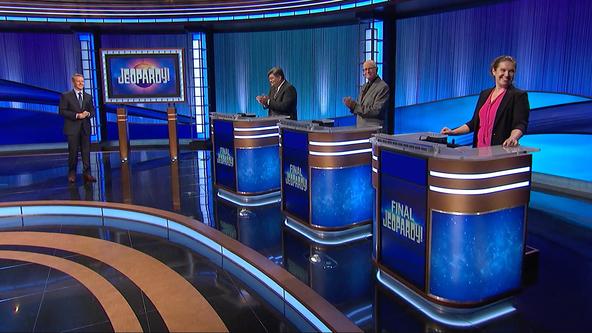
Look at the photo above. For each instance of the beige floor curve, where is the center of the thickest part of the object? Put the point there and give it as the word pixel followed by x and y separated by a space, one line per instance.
pixel 181 306
pixel 118 311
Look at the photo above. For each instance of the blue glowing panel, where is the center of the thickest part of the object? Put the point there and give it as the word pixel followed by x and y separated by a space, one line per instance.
pixel 429 69
pixel 341 197
pixel 570 210
pixel 402 228
pixel 405 167
pixel 224 154
pixel 344 121
pixel 566 118
pixel 476 257
pixel 258 169
pixel 540 99
pixel 550 113
pixel 564 155
pixel 295 184
pixel 41 127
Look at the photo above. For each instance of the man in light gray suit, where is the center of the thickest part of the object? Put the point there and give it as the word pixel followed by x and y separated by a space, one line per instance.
pixel 371 104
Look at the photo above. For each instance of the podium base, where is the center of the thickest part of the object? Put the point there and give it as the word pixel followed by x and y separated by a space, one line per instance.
pixel 465 317
pixel 250 200
pixel 330 237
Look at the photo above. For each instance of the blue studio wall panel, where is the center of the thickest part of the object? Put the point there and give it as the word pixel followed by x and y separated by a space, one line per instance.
pixel 34 68
pixel 448 54
pixel 323 64
pixel 443 61
pixel 41 60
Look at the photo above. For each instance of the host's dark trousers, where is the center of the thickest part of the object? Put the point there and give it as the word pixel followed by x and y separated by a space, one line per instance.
pixel 76 142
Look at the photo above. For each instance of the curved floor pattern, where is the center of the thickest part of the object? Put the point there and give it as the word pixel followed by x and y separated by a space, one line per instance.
pixel 182 308
pixel 555 297
pixel 120 313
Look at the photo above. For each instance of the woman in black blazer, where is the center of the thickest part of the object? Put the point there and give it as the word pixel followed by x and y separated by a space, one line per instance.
pixel 501 114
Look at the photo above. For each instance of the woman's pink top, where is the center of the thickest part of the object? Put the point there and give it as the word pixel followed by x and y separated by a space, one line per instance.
pixel 486 119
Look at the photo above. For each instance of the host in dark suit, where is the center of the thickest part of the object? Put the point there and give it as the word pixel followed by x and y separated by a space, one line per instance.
pixel 501 114
pixel 282 97
pixel 77 108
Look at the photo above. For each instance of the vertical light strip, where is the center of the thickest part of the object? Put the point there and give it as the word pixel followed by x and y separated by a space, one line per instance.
pixel 89 71
pixel 200 103
pixel 373 38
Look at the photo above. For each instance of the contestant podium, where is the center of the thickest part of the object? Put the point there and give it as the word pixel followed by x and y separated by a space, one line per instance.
pixel 451 224
pixel 246 157
pixel 326 180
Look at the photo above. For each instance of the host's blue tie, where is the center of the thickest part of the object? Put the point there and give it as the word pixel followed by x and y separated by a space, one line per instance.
pixel 80 99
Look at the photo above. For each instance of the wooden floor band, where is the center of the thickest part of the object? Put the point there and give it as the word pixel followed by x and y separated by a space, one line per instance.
pixel 181 306
pixel 118 311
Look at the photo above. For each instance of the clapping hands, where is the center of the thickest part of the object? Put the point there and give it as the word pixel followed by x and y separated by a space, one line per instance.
pixel 263 100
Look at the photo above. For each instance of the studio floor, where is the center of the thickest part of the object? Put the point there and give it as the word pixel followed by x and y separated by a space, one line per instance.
pixel 37 297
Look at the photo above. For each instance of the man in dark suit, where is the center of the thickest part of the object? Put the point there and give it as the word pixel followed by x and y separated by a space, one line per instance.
pixel 77 108
pixel 282 97
pixel 371 104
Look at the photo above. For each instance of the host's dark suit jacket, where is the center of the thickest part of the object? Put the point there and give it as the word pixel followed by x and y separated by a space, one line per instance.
pixel 284 101
pixel 68 109
pixel 511 114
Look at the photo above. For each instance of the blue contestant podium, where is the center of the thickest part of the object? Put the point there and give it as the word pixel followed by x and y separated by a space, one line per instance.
pixel 451 224
pixel 246 156
pixel 326 178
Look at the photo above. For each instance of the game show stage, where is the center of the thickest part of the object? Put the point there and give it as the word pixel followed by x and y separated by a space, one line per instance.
pixel 161 214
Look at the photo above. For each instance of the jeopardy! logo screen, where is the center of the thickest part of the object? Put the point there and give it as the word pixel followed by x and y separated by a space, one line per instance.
pixel 143 75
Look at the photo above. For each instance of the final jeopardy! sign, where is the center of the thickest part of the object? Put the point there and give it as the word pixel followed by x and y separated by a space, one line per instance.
pixel 224 154
pixel 403 216
pixel 295 182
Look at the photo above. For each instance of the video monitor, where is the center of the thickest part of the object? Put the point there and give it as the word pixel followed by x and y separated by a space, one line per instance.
pixel 143 75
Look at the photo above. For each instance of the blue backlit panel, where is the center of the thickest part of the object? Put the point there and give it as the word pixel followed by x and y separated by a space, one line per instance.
pixel 406 167
pixel 224 154
pixel 295 183
pixel 403 228
pixel 258 169
pixel 564 155
pixel 341 197
pixel 476 257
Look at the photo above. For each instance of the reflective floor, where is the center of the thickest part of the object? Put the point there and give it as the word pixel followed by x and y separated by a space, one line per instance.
pixel 555 298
